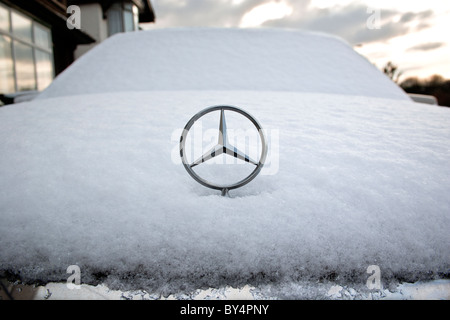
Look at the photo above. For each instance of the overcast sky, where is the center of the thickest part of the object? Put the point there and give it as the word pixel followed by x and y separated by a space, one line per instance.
pixel 414 35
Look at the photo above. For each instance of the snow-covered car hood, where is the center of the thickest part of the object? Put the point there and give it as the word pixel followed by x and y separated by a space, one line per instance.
pixel 353 181
pixel 356 176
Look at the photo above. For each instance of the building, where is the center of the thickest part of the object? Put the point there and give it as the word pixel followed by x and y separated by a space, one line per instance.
pixel 40 38
pixel 101 19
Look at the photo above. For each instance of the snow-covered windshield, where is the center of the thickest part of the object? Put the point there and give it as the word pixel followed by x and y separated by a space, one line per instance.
pixel 224 59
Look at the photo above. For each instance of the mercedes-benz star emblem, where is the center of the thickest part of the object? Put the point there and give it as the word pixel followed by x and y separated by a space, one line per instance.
pixel 223 147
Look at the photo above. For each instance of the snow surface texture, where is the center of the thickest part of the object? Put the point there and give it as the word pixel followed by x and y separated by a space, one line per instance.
pixel 224 59
pixel 91 176
pixel 90 180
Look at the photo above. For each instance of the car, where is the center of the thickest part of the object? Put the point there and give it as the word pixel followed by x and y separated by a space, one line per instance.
pixel 423 98
pixel 353 192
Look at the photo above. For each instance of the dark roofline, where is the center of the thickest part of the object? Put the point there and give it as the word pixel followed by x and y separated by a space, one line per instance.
pixel 149 14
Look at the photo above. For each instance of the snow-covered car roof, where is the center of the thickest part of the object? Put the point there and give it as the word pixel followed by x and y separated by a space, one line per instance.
pixel 357 174
pixel 224 59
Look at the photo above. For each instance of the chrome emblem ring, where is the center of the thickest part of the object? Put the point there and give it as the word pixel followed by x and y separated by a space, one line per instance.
pixel 223 146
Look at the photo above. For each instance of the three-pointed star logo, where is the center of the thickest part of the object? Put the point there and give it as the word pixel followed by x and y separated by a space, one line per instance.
pixel 223 146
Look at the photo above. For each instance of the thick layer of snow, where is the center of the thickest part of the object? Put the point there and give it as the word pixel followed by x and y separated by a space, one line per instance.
pixel 357 174
pixel 224 59
pixel 90 180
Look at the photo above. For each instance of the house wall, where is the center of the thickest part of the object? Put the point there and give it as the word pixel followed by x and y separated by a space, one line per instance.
pixel 92 23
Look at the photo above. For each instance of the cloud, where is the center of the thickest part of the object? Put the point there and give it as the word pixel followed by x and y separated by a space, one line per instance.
pixel 207 13
pixel 427 46
pixel 268 11
pixel 349 22
pixel 353 22
pixel 412 16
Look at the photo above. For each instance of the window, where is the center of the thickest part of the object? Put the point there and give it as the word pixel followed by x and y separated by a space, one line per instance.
pixel 122 17
pixel 21 27
pixel 6 66
pixel 26 55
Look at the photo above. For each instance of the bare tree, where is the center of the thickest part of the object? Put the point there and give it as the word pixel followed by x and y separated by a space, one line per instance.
pixel 392 71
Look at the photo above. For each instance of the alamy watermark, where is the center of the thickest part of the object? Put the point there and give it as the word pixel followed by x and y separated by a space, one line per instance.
pixel 248 141
pixel 373 22
pixel 74 280
pixel 374 280
pixel 74 20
